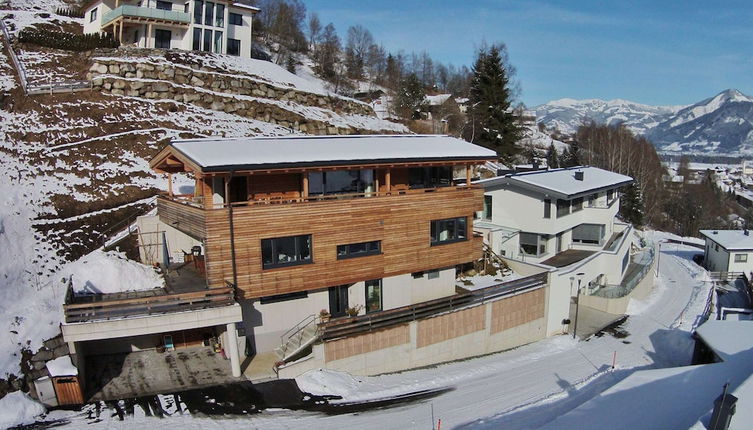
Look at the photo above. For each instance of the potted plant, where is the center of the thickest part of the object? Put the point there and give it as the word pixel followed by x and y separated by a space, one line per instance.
pixel 324 315
pixel 353 310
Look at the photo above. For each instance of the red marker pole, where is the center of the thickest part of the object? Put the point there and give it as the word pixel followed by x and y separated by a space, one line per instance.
pixel 614 360
pixel 439 424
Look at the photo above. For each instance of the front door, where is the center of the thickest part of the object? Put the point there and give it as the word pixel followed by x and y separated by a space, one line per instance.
pixel 162 39
pixel 338 300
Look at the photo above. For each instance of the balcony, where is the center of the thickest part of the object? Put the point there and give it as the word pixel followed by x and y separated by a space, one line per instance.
pixel 146 14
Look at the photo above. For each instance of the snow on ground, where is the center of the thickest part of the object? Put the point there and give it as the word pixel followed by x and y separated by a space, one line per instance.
pixel 19 409
pixel 527 387
pixel 62 366
pixel 44 67
pixel 110 272
pixel 532 136
pixel 478 282
pixel 7 74
pixel 29 17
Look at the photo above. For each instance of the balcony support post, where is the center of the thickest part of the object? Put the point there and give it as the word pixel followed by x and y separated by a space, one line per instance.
pixel 169 183
pixel 232 349
pixel 467 175
pixel 388 181
pixel 120 36
pixel 305 185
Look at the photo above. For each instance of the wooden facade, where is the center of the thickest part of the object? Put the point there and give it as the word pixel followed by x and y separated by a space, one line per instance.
pixel 400 221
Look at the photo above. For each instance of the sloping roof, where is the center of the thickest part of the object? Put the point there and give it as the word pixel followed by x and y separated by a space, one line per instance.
pixel 257 153
pixel 561 182
pixel 730 239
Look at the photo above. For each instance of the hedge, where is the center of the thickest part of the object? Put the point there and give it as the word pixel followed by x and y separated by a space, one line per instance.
pixel 66 41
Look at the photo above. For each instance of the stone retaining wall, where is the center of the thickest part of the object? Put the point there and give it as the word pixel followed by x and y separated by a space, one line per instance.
pixel 215 91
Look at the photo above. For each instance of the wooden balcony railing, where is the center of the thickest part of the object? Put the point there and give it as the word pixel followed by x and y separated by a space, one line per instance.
pixel 109 306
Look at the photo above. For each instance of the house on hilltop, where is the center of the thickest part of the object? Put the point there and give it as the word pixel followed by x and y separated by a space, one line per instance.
pixel 219 26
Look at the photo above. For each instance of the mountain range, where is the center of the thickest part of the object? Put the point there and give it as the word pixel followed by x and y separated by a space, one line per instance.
pixel 719 125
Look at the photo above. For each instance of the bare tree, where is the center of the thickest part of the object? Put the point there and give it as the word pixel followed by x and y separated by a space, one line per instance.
pixel 315 27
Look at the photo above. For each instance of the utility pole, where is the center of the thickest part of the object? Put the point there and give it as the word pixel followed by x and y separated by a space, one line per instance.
pixel 577 302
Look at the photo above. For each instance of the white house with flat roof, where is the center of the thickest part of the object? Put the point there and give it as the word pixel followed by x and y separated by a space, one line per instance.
pixel 563 219
pixel 728 251
pixel 219 26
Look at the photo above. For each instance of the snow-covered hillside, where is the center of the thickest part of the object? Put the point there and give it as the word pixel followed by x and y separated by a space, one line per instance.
pixel 76 165
pixel 722 124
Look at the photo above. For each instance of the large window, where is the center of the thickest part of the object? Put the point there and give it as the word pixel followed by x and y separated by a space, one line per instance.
pixel 164 5
pixel 488 207
pixel 592 200
pixel 360 249
pixel 591 234
pixel 93 15
pixel 235 19
pixel 547 208
pixel 563 208
pixel 448 230
pixel 196 39
pixel 162 39
pixel 610 196
pixel 286 251
pixel 741 258
pixel 341 182
pixel 533 244
pixel 207 46
pixel 209 13
pixel 198 11
pixel 373 295
pixel 220 14
pixel 430 177
pixel 233 47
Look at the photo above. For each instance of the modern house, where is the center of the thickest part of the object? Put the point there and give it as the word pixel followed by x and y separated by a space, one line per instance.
pixel 219 26
pixel 565 220
pixel 728 251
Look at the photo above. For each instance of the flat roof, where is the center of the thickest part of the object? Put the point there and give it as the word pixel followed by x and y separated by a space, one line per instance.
pixel 259 153
pixel 561 182
pixel 730 239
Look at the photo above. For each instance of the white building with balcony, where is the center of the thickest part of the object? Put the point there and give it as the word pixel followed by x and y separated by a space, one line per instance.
pixel 565 220
pixel 219 26
pixel 728 251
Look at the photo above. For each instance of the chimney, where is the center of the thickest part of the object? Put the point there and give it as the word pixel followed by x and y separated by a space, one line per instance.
pixel 579 175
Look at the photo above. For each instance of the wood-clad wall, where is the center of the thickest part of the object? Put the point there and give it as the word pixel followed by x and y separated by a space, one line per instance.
pixel 188 219
pixel 401 222
pixel 283 185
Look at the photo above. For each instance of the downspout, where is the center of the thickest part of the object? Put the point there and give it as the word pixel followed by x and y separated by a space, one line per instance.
pixel 232 230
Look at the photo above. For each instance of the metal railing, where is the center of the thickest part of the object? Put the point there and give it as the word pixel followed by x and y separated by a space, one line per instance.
pixel 627 286
pixel 14 58
pixel 146 12
pixel 347 326
pixel 296 330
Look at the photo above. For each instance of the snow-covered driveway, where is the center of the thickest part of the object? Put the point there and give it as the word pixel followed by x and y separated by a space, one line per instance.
pixel 523 388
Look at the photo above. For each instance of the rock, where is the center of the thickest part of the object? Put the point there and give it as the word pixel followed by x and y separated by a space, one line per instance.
pixel 54 342
pixel 114 69
pixel 42 355
pixel 151 95
pixel 217 105
pixel 130 75
pixel 97 82
pixel 127 67
pixel 99 68
pixel 61 351
pixel 161 87
pixel 235 84
pixel 38 365
pixel 133 93
pixel 197 82
pixel 118 84
pixel 107 86
pixel 117 92
pixel 145 66
pixel 136 85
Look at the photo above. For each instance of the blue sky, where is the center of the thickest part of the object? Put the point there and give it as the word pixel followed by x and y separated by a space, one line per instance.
pixel 655 52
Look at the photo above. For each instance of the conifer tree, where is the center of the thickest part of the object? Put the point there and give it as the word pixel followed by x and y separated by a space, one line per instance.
pixel 492 120
pixel 631 205
pixel 552 158
pixel 410 96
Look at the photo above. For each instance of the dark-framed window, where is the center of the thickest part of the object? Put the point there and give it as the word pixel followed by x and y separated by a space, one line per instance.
pixel 360 249
pixel 93 15
pixel 533 244
pixel 284 297
pixel 591 234
pixel 286 251
pixel 610 196
pixel 235 19
pixel 433 274
pixel 233 47
pixel 373 295
pixel 162 38
pixel 198 11
pixel 741 258
pixel 196 39
pixel 577 204
pixel 449 230
pixel 563 208
pixel 207 45
pixel 487 207
pixel 417 275
pixel 547 208
pixel 592 200
pixel 218 42
pixel 164 5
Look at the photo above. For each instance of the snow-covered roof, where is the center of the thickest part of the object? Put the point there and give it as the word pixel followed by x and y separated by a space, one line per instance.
pixel 245 6
pixel 62 366
pixel 254 153
pixel 561 182
pixel 438 99
pixel 730 239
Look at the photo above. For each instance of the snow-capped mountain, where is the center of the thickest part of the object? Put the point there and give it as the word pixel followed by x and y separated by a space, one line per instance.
pixel 567 114
pixel 722 124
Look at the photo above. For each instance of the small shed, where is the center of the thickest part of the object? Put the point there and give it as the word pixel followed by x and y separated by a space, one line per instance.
pixel 65 381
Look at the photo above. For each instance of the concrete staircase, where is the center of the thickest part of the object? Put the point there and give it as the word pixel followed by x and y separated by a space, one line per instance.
pixel 298 338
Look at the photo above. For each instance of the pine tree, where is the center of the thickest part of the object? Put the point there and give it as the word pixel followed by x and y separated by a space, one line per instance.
pixel 492 120
pixel 571 158
pixel 631 205
pixel 410 96
pixel 552 158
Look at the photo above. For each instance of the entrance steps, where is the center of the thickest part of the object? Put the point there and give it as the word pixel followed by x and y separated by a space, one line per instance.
pixel 298 338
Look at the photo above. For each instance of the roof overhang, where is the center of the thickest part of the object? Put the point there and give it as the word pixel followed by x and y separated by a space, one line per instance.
pixel 505 182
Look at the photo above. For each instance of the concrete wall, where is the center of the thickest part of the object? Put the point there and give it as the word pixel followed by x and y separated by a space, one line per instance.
pixel 618 306
pixel 489 327
pixel 265 323
pixel 150 239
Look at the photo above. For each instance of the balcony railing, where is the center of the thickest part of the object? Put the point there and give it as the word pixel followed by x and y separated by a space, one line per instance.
pixel 147 13
pixel 279 198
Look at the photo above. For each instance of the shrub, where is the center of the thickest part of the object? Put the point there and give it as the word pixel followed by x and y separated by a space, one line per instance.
pixel 73 13
pixel 67 41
